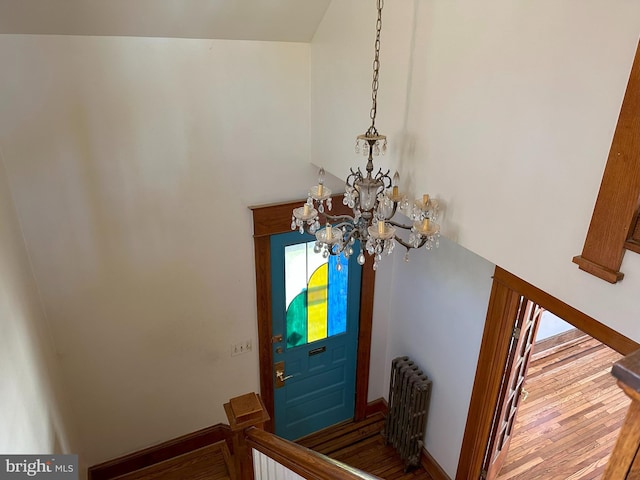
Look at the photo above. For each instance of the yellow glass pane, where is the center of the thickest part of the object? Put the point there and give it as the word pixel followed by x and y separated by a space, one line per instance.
pixel 317 304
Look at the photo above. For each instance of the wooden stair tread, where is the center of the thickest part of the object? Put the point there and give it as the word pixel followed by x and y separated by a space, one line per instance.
pixel 378 459
pixel 343 435
pixel 361 445
pixel 206 463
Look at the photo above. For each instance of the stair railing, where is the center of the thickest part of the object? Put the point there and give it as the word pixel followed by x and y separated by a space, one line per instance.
pixel 624 463
pixel 262 455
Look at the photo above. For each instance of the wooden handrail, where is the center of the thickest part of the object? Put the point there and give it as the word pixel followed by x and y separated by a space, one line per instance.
pixel 624 463
pixel 306 463
pixel 247 416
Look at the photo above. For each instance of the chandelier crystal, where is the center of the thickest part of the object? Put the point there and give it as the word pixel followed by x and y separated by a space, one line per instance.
pixel 374 200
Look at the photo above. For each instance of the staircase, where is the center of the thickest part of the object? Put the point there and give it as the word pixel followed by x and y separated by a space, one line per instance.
pixel 205 455
pixel 212 462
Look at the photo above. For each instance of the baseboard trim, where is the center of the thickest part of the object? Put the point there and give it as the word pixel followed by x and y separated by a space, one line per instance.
pixel 558 342
pixel 161 452
pixel 432 467
pixel 377 406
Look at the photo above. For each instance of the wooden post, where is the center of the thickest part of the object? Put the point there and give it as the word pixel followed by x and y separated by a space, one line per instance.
pixel 625 458
pixel 243 412
pixel 617 202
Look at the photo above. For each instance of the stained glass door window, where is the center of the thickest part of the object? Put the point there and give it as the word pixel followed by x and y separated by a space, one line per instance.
pixel 316 294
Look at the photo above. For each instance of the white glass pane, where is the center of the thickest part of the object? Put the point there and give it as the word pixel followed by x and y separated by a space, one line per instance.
pixel 295 270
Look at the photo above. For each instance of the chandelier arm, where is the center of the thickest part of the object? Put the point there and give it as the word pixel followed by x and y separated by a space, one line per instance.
pixel 395 209
pixel 408 246
pixel 340 218
pixel 355 176
pixel 354 233
pixel 347 223
pixel 382 175
pixel 384 178
pixel 400 225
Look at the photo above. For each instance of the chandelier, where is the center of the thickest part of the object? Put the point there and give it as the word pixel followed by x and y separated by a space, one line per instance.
pixel 374 200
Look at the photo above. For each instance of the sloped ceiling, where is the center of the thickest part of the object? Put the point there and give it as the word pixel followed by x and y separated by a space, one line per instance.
pixel 269 20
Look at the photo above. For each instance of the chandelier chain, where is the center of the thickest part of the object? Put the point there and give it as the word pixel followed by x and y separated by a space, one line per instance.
pixel 376 70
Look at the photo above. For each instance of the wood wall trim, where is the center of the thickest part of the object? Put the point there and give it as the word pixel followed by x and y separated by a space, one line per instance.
pixel 494 349
pixel 619 195
pixel 432 467
pixel 363 360
pixel 575 317
pixel 161 452
pixel 633 242
pixel 377 406
pixel 486 387
pixel 273 219
pixel 262 247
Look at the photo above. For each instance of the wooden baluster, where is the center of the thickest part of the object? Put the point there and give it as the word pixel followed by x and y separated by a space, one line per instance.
pixel 243 412
pixel 625 458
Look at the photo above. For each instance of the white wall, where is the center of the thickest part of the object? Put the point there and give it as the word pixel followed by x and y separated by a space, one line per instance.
pixel 551 325
pixel 505 111
pixel 436 317
pixel 30 416
pixel 133 162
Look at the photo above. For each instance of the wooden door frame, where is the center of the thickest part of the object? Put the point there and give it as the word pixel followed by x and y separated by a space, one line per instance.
pixel 273 219
pixel 494 349
pixel 523 314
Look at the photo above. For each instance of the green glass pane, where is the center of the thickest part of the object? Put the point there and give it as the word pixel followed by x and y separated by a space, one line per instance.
pixel 297 320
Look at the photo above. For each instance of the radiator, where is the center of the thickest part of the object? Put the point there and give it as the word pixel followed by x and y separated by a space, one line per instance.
pixel 406 423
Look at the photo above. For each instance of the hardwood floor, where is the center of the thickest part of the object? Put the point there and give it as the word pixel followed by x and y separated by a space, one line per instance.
pixel 568 425
pixel 360 445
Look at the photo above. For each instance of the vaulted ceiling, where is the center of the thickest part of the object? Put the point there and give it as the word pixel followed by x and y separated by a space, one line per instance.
pixel 270 20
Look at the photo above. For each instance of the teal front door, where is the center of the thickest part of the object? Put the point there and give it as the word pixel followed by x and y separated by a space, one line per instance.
pixel 315 312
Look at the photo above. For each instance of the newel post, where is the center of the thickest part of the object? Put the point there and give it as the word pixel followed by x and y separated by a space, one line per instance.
pixel 625 458
pixel 243 412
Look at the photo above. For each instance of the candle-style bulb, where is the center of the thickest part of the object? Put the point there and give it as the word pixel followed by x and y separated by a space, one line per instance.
pixel 320 189
pixel 394 191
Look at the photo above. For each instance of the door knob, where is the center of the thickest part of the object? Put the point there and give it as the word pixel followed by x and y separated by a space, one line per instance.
pixel 278 368
pixel 281 377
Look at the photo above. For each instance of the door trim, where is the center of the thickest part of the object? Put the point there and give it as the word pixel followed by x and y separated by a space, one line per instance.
pixel 494 349
pixel 273 219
